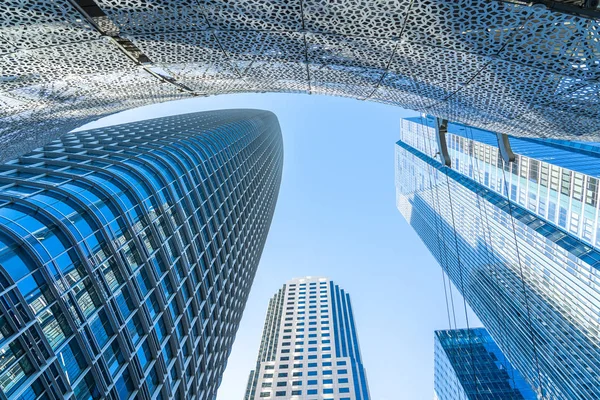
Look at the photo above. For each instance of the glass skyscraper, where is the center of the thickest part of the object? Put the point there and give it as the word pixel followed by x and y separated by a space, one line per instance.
pixel 470 366
pixel 309 348
pixel 127 254
pixel 519 240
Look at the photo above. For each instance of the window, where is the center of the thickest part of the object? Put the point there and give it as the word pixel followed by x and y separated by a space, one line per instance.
pixel 591 193
pixel 265 394
pixel 327 391
pixel 280 393
pixel 342 371
pixel 297 383
pixel 343 380
pixel 297 392
pixel 267 376
pixel 327 381
pixel 341 363
pixel 311 391
pixel 344 390
pixel 282 375
pixel 312 373
pixel 299 373
pixel 312 382
pixel 280 384
pixel 267 384
pixel 144 355
pixel 566 183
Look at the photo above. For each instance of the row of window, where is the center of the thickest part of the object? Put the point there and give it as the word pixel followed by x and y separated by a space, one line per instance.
pixel 301 365
pixel 309 373
pixel 282 393
pixel 309 382
pixel 311 300
pixel 324 318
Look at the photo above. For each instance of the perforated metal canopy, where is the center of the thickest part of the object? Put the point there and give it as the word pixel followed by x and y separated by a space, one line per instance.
pixel 510 66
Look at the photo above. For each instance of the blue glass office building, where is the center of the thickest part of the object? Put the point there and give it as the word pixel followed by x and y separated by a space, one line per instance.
pixel 520 240
pixel 309 348
pixel 127 254
pixel 470 366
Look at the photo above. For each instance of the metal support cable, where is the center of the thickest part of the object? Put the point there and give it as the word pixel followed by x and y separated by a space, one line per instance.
pixel 393 55
pixel 441 250
pixel 462 284
pixel 461 280
pixel 480 202
pixel 441 247
pixel 483 67
pixel 523 285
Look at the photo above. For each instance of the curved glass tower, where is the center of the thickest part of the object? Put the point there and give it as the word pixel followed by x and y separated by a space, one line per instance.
pixel 127 254
pixel 309 348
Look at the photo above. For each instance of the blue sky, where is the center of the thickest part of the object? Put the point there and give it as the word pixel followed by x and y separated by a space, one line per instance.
pixel 336 217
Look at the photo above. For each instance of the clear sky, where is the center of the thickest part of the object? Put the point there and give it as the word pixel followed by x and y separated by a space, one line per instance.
pixel 336 217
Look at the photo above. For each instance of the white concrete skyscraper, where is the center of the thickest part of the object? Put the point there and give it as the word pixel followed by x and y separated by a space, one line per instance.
pixel 309 348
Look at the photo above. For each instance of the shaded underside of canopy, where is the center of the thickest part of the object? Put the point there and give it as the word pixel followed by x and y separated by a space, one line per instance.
pixel 507 66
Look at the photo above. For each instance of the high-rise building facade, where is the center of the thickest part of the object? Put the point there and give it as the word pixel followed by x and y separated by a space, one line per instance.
pixel 522 67
pixel 519 240
pixel 309 348
pixel 469 365
pixel 127 254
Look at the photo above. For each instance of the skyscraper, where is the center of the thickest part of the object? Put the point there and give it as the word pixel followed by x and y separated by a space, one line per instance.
pixel 309 348
pixel 518 239
pixel 470 366
pixel 522 67
pixel 127 254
